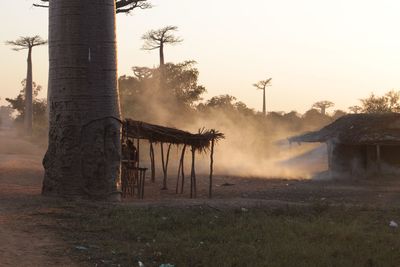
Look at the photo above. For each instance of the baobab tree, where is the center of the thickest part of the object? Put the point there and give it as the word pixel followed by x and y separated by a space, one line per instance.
pixel 323 106
pixel 28 43
pixel 84 150
pixel 157 39
pixel 262 85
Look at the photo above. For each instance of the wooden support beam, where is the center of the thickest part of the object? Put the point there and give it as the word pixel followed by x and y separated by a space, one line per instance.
pixel 165 160
pixel 211 167
pixel 137 153
pixel 193 187
pixel 152 163
pixel 181 171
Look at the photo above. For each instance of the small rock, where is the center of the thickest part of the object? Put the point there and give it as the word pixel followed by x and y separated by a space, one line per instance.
pixel 393 224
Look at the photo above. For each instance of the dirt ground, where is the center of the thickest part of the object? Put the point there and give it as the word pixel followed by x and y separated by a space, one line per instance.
pixel 229 191
pixel 24 236
pixel 29 239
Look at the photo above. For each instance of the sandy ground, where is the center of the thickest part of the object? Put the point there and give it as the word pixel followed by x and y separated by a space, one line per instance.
pixel 24 236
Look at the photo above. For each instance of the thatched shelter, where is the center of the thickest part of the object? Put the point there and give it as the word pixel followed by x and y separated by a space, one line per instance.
pixel 200 142
pixel 360 144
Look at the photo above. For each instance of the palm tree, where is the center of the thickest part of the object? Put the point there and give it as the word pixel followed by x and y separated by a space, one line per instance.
pixel 21 44
pixel 262 85
pixel 83 155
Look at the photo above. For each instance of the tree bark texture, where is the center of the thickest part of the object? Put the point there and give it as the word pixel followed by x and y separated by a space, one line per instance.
pixel 28 119
pixel 84 150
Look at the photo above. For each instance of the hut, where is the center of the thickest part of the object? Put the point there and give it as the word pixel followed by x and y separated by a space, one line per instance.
pixel 135 131
pixel 361 145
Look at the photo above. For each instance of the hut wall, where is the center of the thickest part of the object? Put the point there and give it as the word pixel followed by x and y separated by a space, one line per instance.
pixel 390 158
pixel 348 159
pixel 372 161
pixel 391 155
pixel 362 160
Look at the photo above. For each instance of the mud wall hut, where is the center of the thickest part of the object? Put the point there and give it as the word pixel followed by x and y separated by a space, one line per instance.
pixel 361 145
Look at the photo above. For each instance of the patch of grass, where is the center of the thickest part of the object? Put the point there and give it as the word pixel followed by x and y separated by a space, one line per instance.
pixel 200 236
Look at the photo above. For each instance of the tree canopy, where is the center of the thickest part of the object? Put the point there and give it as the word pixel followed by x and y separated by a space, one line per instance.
pixel 322 106
pixel 154 39
pixel 26 42
pixel 18 103
pixel 390 102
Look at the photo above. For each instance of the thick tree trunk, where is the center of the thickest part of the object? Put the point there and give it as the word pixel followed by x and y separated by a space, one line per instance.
pixel 28 119
pixel 162 60
pixel 264 105
pixel 83 156
pixel 162 67
pixel 323 110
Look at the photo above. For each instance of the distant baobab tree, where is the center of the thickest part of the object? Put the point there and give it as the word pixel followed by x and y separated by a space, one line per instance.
pixel 323 106
pixel 21 44
pixel 157 39
pixel 262 85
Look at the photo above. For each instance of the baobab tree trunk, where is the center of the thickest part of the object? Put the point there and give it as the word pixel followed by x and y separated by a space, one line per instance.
pixel 162 67
pixel 264 105
pixel 162 60
pixel 28 119
pixel 323 110
pixel 83 156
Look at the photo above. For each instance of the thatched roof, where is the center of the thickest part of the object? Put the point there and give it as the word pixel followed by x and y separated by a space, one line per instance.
pixel 160 134
pixel 358 129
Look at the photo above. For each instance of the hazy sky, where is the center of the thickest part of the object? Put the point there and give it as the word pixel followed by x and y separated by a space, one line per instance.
pixel 313 49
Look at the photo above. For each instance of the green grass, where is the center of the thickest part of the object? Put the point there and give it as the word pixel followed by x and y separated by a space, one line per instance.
pixel 201 236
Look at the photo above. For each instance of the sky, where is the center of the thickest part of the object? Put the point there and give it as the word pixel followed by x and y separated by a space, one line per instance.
pixel 313 50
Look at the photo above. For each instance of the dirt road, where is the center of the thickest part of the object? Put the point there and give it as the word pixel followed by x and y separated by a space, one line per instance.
pixel 25 239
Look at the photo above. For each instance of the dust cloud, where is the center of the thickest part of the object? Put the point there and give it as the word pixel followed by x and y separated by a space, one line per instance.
pixel 253 147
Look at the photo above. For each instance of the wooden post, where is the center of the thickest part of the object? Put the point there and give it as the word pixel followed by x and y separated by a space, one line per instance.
pixel 193 188
pixel 165 164
pixel 137 153
pixel 167 161
pixel 181 172
pixel 152 163
pixel 211 167
pixel 183 168
pixel 177 178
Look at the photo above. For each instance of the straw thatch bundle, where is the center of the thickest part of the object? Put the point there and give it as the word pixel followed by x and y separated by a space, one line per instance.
pixel 160 134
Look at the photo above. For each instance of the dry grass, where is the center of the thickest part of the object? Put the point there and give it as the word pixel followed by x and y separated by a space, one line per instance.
pixel 316 235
